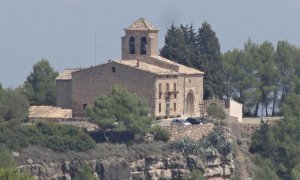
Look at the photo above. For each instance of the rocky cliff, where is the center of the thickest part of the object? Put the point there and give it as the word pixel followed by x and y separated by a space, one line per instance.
pixel 154 160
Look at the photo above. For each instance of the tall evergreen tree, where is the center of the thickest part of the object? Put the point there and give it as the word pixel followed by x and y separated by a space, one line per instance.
pixel 40 84
pixel 210 61
pixel 180 45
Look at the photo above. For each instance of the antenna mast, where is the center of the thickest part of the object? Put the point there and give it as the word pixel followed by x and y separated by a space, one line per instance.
pixel 95 49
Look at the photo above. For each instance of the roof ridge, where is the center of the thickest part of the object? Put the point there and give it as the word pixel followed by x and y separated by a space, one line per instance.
pixel 142 25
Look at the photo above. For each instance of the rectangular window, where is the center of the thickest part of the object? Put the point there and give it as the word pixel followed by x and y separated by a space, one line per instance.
pixel 159 90
pixel 175 94
pixel 113 69
pixel 167 87
pixel 174 107
pixel 159 107
pixel 84 106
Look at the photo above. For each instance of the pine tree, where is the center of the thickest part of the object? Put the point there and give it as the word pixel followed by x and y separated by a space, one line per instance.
pixel 40 84
pixel 210 61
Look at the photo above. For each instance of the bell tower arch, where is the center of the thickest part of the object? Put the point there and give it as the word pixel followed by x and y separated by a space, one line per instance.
pixel 141 39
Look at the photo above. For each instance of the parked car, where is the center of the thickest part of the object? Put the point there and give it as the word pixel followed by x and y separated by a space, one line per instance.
pixel 180 122
pixel 196 120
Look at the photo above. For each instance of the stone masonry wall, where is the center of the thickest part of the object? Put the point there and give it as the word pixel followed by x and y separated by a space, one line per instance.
pixel 90 83
pixel 193 131
pixel 64 93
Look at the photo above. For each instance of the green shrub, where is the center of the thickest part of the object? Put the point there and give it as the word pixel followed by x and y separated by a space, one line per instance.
pixel 60 137
pixel 160 134
pixel 208 147
pixel 186 146
pixel 84 173
pixel 197 175
pixel 6 159
pixel 14 174
pixel 13 135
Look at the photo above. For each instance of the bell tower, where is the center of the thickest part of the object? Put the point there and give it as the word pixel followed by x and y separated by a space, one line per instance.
pixel 141 39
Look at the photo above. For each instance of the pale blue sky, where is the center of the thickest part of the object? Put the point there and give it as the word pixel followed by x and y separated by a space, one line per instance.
pixel 63 31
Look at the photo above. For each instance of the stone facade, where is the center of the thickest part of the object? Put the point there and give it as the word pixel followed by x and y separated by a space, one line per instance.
pixel 170 89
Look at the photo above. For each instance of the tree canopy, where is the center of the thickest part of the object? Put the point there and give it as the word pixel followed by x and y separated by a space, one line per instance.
pixel 279 145
pixel 120 110
pixel 13 105
pixel 261 76
pixel 40 84
pixel 200 50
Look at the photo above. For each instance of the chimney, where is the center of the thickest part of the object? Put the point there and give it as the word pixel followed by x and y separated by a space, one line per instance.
pixel 138 63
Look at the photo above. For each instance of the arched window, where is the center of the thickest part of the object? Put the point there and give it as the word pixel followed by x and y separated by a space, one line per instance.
pixel 143 45
pixel 131 45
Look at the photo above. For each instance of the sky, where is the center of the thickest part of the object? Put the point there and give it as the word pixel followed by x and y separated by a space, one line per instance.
pixel 81 33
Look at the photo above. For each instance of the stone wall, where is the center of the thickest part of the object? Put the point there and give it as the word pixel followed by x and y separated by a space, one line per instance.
pixel 193 131
pixel 234 109
pixel 90 83
pixel 64 93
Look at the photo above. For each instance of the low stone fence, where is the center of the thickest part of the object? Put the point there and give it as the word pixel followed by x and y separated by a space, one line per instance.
pixel 193 131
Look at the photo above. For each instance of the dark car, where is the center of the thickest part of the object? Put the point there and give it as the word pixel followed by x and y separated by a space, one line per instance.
pixel 180 122
pixel 196 120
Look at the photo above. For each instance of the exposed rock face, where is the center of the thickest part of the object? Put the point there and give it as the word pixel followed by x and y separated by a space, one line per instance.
pixel 153 167
pixel 153 160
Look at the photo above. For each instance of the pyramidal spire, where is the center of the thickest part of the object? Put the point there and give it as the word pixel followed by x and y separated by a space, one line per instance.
pixel 141 25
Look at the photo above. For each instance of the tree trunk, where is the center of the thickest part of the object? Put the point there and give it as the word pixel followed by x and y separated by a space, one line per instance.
pixel 274 103
pixel 256 109
pixel 266 106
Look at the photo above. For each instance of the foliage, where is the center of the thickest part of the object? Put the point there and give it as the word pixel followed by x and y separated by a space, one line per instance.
pixel 40 84
pixel 216 142
pixel 280 144
pixel 261 77
pixel 216 112
pixel 14 174
pixel 60 137
pixel 160 134
pixel 120 111
pixel 197 175
pixel 200 50
pixel 6 159
pixel 211 63
pixel 84 173
pixel 13 134
pixel 265 170
pixel 186 146
pixel 13 105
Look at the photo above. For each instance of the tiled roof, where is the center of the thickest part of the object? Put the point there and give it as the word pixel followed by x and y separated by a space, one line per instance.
pixel 182 69
pixel 49 112
pixel 141 25
pixel 147 67
pixel 66 74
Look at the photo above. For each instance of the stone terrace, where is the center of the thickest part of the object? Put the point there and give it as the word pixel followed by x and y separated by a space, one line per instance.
pixel 192 131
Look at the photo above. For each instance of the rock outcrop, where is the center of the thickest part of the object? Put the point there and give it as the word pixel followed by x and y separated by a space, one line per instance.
pixel 152 160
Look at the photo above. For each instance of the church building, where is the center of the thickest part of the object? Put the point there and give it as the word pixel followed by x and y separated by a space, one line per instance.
pixel 170 89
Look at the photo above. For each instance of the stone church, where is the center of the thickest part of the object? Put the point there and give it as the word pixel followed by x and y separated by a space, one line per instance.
pixel 170 89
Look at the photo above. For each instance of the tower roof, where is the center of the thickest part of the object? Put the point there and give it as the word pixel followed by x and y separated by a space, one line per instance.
pixel 141 25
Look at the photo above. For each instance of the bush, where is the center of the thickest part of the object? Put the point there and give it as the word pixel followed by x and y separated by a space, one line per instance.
pixel 54 136
pixel 208 147
pixel 84 173
pixel 186 146
pixel 60 137
pixel 216 113
pixel 197 175
pixel 160 134
pixel 14 174
pixel 13 135
pixel 6 159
